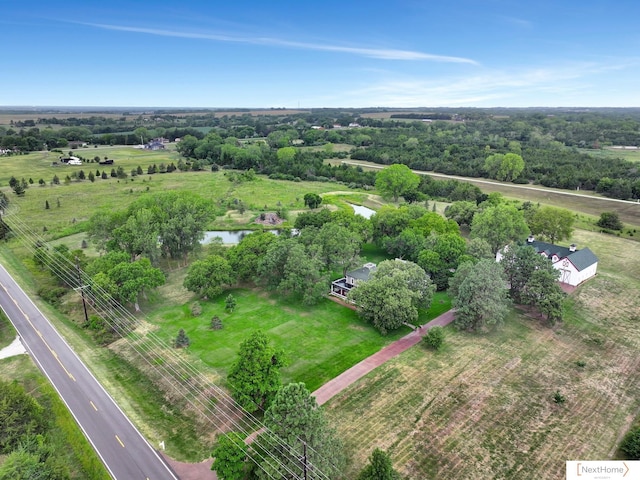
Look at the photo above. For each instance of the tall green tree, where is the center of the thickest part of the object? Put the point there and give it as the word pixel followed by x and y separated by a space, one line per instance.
pixel 254 378
pixel 245 257
pixel 519 262
pixel 394 294
pixel 339 247
pixel 499 225
pixel 461 212
pixel 441 257
pixel 386 303
pixel 413 276
pixel 610 220
pixel 481 296
pixel 207 277
pixel 312 200
pixel 133 279
pixel 396 180
pixel 379 467
pixel 406 245
pixel 295 419
pixel 390 221
pixel 138 235
pixel 543 292
pixel 504 167
pixel 292 270
pixel 552 224
pixel 356 223
pixel 230 457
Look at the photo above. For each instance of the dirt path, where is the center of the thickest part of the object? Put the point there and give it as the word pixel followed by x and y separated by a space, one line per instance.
pixel 342 381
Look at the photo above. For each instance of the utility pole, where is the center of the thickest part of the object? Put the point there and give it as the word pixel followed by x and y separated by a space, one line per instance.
pixel 81 287
pixel 304 459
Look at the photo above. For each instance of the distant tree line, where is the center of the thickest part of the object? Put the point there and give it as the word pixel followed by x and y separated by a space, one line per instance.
pixel 553 144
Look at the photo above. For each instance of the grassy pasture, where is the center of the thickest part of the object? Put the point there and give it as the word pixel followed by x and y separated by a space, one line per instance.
pixel 320 341
pixel 483 407
pixel 79 199
pixel 610 152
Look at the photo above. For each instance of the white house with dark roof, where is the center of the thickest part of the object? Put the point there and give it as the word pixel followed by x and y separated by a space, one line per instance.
pixel 576 266
pixel 340 288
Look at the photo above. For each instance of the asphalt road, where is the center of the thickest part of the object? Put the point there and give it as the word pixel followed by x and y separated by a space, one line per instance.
pixel 124 451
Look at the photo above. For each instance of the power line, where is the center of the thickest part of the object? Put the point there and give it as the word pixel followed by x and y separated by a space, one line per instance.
pixel 176 373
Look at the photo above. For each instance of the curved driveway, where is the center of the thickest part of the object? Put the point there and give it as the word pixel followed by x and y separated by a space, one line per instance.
pixel 120 446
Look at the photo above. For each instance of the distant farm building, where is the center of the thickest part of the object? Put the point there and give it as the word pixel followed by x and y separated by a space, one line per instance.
pixel 71 160
pixel 156 144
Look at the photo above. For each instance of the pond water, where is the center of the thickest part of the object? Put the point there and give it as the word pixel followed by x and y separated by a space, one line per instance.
pixel 233 237
pixel 364 211
pixel 229 236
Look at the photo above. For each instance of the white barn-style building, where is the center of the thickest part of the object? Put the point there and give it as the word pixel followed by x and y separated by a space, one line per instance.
pixel 576 266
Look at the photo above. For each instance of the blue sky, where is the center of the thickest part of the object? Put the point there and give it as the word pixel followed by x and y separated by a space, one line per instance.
pixel 403 53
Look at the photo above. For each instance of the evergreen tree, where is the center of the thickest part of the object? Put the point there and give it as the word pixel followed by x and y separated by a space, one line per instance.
pixel 254 378
pixel 379 467
pixel 182 340
pixel 295 419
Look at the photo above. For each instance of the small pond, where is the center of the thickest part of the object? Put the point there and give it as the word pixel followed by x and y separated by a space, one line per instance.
pixel 233 237
pixel 364 211
pixel 229 236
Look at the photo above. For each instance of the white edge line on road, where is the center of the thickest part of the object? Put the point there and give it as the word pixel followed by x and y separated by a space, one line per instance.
pixel 35 358
pixel 96 380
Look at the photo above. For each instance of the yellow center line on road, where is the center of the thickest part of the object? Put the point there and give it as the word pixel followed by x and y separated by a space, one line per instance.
pixel 55 355
pixel 93 405
pixel 119 441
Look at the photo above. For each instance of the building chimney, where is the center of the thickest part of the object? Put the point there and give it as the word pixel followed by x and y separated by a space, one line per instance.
pixel 530 239
pixel 572 247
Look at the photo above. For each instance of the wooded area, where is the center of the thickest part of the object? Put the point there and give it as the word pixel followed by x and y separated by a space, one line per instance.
pixel 555 145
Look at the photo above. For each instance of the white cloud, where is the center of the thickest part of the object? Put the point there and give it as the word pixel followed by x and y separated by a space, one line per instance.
pixel 518 22
pixel 380 53
pixel 535 86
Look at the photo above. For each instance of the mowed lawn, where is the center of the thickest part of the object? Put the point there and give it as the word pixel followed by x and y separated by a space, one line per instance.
pixel 320 342
pixel 483 407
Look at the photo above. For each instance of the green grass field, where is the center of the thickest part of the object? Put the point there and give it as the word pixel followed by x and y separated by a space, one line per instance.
pixel 7 332
pixel 610 152
pixel 321 341
pixel 483 407
pixel 74 203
